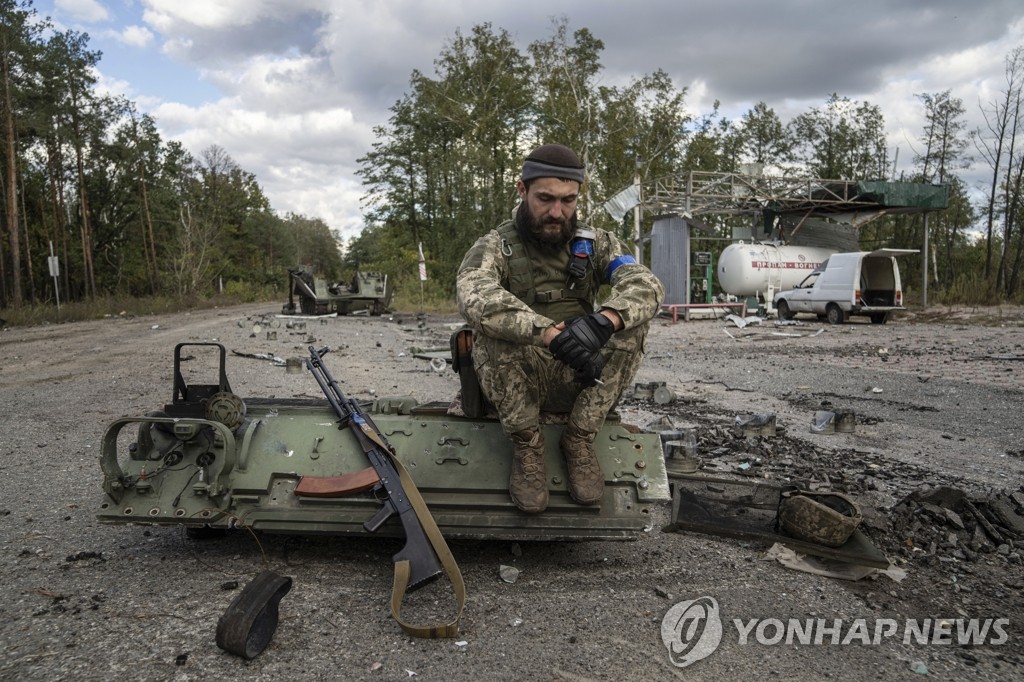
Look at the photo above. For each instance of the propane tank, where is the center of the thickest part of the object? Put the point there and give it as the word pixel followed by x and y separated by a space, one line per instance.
pixel 756 268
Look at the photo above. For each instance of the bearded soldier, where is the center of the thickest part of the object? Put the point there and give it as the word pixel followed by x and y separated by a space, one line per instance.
pixel 528 290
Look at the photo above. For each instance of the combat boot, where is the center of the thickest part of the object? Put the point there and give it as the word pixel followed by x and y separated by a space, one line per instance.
pixel 528 484
pixel 586 482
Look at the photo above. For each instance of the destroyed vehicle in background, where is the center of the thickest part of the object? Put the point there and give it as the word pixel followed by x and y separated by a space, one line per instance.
pixel 211 460
pixel 369 292
pixel 858 283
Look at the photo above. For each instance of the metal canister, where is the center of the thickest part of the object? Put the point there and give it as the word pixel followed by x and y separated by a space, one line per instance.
pixel 681 454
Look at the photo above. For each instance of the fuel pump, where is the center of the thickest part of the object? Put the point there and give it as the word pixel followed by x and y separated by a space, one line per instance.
pixel 700 277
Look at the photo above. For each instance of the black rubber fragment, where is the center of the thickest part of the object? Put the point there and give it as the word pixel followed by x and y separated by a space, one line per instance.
pixel 249 622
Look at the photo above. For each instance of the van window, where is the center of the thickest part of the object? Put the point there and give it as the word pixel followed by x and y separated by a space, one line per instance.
pixel 809 280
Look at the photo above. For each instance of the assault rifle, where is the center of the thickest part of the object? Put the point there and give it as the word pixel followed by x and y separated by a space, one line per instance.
pixel 424 565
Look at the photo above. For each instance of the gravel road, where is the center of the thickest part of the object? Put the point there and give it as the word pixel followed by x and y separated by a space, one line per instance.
pixel 938 397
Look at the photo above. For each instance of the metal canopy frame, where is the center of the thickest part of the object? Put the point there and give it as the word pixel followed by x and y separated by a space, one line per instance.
pixel 852 202
pixel 705 192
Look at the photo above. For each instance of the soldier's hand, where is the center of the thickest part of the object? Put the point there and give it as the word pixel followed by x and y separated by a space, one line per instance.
pixel 589 374
pixel 583 338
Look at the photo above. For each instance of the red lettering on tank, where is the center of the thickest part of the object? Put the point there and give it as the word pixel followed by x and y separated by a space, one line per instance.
pixel 782 265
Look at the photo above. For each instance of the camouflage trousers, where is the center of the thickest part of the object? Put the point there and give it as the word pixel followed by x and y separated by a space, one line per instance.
pixel 523 381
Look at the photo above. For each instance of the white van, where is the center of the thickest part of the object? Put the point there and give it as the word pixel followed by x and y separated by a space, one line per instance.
pixel 857 283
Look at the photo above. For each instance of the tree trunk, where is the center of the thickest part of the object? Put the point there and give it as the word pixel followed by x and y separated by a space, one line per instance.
pixel 148 243
pixel 11 186
pixel 88 270
pixel 29 272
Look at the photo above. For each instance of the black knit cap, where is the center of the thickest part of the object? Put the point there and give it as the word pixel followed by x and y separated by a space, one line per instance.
pixel 553 161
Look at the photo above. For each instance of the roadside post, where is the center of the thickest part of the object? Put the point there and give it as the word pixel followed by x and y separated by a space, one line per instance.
pixel 54 264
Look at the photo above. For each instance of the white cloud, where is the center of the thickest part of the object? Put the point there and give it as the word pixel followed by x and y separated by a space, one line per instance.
pixel 305 161
pixel 171 15
pixel 133 36
pixel 89 11
pixel 304 82
pixel 105 85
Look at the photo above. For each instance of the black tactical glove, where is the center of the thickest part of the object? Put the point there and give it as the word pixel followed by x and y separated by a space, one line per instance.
pixel 590 373
pixel 582 338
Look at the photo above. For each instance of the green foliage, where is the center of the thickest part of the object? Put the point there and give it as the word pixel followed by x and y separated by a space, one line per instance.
pixel 133 216
pixel 844 140
pixel 112 307
pixel 249 292
pixel 437 298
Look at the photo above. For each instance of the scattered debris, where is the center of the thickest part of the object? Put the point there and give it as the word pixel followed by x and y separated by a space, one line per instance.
pixel 824 422
pixel 663 395
pixel 646 391
pixel 83 556
pixel 827 421
pixel 820 331
pixel 841 570
pixel 746 510
pixel 278 361
pixel 508 574
pixel 757 425
pixel 742 322
pixel 247 626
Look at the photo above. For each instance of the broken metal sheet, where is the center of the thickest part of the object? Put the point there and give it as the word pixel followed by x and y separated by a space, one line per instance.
pixel 746 510
pixel 432 354
pixel 299 316
pixel 280 362
pixel 827 567
pixel 799 336
pixel 742 322
pixel 761 335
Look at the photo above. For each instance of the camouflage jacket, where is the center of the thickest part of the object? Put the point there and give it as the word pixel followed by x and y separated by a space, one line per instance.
pixel 490 308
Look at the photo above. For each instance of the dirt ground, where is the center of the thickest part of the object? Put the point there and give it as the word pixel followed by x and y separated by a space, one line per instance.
pixel 936 453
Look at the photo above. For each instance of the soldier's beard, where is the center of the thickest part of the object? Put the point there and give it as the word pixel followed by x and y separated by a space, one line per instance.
pixel 549 233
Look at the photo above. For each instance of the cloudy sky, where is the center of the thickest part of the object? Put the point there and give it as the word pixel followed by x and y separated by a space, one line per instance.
pixel 292 89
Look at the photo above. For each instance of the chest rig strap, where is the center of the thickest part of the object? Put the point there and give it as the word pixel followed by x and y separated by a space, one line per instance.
pixel 578 283
pixel 520 269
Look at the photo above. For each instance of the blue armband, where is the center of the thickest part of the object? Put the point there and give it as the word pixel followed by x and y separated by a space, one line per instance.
pixel 616 264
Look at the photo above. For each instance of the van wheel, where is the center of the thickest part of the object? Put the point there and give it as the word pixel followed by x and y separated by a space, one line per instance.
pixel 879 318
pixel 784 312
pixel 834 314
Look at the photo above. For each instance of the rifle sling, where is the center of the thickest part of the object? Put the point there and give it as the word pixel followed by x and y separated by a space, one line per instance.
pixel 451 569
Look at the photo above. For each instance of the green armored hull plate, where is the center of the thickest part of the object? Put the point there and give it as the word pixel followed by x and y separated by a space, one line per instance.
pixel 178 467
